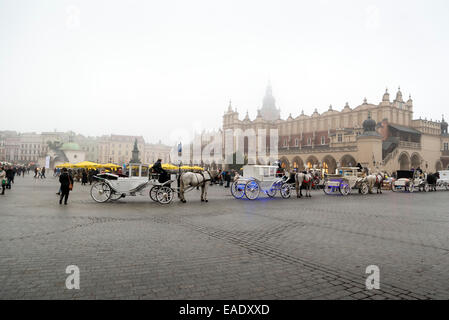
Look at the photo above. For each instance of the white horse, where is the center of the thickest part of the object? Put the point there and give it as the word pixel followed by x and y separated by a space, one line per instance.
pixel 375 180
pixel 303 180
pixel 190 180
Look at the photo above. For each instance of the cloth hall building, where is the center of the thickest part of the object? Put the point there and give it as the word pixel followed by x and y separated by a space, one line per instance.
pixel 382 135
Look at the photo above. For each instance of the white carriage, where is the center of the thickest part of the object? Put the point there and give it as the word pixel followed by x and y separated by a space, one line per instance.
pixel 111 187
pixel 260 178
pixel 347 179
pixel 443 181
pixel 409 180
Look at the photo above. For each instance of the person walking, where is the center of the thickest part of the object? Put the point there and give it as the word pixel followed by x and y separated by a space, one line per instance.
pixel 43 173
pixel 84 178
pixel 66 181
pixel 9 177
pixel 3 180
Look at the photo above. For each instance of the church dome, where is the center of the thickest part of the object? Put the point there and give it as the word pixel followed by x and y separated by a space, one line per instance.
pixel 399 95
pixel 70 146
pixel 410 101
pixel 386 96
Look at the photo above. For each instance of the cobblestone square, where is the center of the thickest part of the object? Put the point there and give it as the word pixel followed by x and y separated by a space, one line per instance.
pixel 315 248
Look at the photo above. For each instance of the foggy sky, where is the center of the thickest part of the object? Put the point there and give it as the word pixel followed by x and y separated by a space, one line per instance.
pixel 164 68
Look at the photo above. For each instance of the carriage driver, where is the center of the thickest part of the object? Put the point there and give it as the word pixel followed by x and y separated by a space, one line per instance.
pixel 157 168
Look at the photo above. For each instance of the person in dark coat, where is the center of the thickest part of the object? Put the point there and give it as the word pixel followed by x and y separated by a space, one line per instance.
pixel 9 177
pixel 84 177
pixel 228 178
pixel 65 179
pixel 157 168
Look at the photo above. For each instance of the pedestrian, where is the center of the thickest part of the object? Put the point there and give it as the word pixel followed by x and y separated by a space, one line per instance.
pixel 84 178
pixel 9 177
pixel 66 181
pixel 227 178
pixel 36 171
pixel 3 180
pixel 43 173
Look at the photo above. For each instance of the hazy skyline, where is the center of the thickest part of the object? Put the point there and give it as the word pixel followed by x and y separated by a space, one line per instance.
pixel 162 69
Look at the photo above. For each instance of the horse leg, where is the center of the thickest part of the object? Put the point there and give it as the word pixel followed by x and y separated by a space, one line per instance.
pixel 205 192
pixel 310 190
pixel 181 191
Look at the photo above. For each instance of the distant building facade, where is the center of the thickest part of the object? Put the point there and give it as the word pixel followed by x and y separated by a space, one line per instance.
pixel 33 148
pixel 336 138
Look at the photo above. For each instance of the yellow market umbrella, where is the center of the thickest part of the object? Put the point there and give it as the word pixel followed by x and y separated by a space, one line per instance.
pixel 65 165
pixel 198 168
pixel 109 165
pixel 167 166
pixel 186 168
pixel 86 164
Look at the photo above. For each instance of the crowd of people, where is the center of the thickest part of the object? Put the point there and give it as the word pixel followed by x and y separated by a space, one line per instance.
pixel 8 173
pixel 225 177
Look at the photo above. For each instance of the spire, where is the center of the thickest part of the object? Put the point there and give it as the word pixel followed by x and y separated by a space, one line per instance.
pixel 365 101
pixel 330 108
pixel 386 97
pixel 410 101
pixel 399 95
pixel 247 116
pixel 269 110
pixel 230 106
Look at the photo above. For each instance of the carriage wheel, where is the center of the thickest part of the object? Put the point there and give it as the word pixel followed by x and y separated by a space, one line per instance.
pixel 426 187
pixel 252 190
pixel 115 196
pixel 345 189
pixel 446 186
pixel 164 195
pixel 237 190
pixel 285 191
pixel 153 193
pixel 272 191
pixel 364 189
pixel 100 191
pixel 411 187
pixel 327 189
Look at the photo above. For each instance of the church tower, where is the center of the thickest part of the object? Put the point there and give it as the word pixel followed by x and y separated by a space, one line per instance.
pixel 269 111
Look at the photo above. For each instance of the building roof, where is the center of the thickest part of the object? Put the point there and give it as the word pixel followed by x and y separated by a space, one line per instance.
pixel 70 146
pixel 405 129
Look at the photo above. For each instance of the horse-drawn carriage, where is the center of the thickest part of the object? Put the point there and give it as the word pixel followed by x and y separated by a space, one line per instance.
pixel 409 180
pixel 347 179
pixel 112 187
pixel 443 179
pixel 257 178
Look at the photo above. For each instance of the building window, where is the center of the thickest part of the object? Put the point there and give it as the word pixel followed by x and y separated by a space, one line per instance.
pixel 309 141
pixel 296 142
pixel 340 137
pixel 446 146
pixel 323 140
